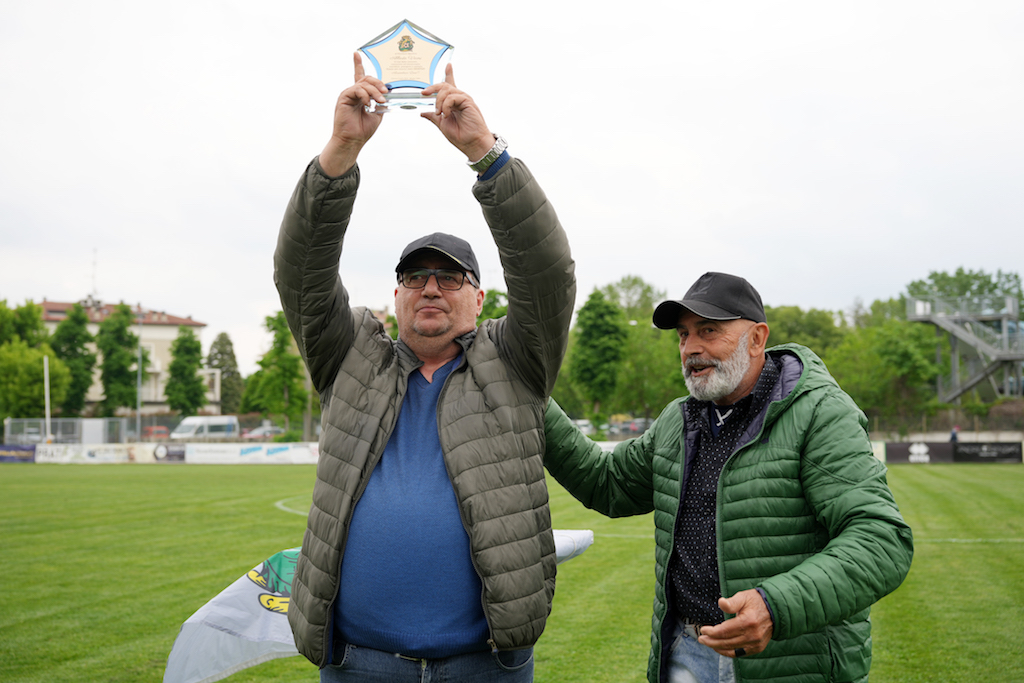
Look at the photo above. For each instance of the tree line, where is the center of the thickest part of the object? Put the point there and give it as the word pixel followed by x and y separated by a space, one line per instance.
pixel 73 355
pixel 617 363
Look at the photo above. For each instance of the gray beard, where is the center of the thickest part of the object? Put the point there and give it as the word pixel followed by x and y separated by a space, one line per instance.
pixel 725 377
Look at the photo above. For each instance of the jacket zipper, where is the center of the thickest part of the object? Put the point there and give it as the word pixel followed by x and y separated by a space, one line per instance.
pixel 718 497
pixel 718 525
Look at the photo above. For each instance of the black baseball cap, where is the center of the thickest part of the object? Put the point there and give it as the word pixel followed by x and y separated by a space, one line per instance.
pixel 449 246
pixel 715 296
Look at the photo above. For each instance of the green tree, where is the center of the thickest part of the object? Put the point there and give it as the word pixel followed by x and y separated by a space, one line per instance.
pixel 650 373
pixel 185 391
pixel 23 344
pixel 888 369
pixel 565 392
pixel 879 311
pixel 222 357
pixel 814 328
pixel 967 284
pixel 22 386
pixel 118 372
pixel 251 400
pixel 70 343
pixel 635 297
pixel 280 387
pixel 24 322
pixel 7 331
pixel 601 332
pixel 495 305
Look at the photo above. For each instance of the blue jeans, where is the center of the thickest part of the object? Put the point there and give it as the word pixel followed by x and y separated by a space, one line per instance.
pixel 692 662
pixel 367 665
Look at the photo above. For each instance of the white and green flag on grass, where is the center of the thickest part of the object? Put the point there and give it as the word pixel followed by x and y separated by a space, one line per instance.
pixel 247 623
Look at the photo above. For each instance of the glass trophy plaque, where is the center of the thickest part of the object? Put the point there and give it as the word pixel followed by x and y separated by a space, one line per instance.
pixel 408 59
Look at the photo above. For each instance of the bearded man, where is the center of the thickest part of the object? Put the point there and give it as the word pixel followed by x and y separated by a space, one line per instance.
pixel 775 528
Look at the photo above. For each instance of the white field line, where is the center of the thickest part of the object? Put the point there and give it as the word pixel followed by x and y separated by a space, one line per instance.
pixel 604 535
pixel 968 540
pixel 283 506
pixel 916 540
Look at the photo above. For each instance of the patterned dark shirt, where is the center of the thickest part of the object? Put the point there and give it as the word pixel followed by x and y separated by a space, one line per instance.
pixel 693 567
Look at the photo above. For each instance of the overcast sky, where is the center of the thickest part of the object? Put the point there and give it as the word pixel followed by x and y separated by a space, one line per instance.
pixel 828 152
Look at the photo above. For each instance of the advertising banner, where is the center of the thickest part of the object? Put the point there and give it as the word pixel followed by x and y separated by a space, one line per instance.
pixel 169 452
pixel 987 452
pixel 251 454
pixel 84 453
pixel 918 452
pixel 17 453
pixel 196 453
pixel 923 453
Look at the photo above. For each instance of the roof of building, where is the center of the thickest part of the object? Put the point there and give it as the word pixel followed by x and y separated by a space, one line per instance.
pixel 56 311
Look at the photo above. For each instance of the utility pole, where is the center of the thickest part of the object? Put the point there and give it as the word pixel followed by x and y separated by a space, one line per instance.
pixel 48 437
pixel 138 385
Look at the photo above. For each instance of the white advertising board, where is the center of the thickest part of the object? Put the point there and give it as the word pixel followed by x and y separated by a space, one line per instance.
pixel 86 453
pixel 251 454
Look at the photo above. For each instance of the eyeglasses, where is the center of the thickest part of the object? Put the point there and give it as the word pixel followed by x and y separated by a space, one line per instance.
pixel 447 278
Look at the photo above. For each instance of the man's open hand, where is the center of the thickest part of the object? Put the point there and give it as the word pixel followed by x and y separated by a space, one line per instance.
pixel 353 124
pixel 458 118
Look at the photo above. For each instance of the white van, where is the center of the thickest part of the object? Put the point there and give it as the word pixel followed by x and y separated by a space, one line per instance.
pixel 204 427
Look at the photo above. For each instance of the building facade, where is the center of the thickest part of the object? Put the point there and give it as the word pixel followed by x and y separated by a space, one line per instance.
pixel 156 330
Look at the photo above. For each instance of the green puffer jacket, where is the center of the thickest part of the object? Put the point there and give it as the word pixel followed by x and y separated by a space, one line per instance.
pixel 490 413
pixel 804 512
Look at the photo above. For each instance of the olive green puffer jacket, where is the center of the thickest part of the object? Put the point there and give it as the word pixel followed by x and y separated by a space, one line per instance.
pixel 490 413
pixel 804 512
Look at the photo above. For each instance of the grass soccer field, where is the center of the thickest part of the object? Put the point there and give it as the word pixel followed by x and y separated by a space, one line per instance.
pixel 103 563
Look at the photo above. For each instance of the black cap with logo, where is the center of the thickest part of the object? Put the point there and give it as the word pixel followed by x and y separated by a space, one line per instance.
pixel 450 246
pixel 715 296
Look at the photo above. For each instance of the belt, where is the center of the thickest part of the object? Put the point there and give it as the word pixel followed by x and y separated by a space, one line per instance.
pixel 690 630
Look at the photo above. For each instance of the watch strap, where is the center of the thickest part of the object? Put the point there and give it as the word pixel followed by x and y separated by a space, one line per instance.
pixel 483 164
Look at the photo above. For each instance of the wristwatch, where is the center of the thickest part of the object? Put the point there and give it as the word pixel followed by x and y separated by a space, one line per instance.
pixel 481 166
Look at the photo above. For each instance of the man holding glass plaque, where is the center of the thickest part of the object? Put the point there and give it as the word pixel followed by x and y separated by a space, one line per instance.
pixel 428 552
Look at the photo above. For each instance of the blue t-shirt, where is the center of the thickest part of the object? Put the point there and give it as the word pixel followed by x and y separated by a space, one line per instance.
pixel 408 584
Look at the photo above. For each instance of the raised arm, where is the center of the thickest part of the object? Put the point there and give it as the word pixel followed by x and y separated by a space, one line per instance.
pixel 309 244
pixel 533 247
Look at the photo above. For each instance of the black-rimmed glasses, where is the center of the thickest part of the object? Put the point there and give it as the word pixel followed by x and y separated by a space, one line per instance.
pixel 447 278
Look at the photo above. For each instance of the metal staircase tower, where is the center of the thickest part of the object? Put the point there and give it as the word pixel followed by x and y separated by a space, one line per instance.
pixel 984 334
